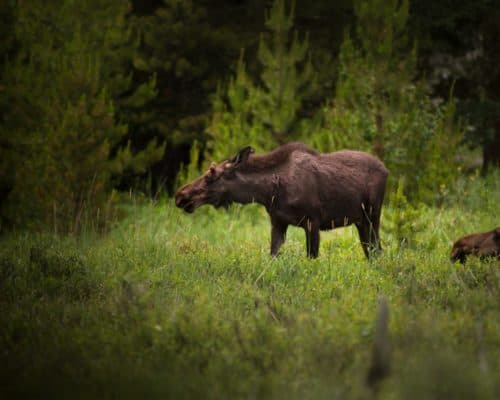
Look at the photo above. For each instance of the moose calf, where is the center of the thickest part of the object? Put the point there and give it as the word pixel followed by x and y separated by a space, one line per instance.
pixel 482 245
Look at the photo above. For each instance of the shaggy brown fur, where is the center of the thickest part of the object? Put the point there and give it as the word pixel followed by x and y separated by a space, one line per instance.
pixel 482 245
pixel 298 187
pixel 275 158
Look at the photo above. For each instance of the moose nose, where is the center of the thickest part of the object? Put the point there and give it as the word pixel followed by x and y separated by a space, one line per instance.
pixel 181 198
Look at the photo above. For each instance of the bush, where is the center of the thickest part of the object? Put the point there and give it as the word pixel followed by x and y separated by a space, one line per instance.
pixel 402 220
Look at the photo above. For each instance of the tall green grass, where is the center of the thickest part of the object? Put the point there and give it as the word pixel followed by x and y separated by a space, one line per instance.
pixel 170 305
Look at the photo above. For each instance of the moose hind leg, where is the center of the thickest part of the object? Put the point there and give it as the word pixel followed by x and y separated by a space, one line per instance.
pixel 368 238
pixel 374 229
pixel 364 238
pixel 278 234
pixel 312 239
pixel 371 223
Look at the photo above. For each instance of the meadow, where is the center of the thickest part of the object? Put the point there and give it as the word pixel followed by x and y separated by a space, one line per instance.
pixel 171 305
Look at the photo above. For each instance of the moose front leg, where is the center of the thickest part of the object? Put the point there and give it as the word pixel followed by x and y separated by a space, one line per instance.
pixel 312 239
pixel 278 234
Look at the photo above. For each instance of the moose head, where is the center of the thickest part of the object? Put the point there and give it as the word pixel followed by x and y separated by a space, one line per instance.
pixel 216 186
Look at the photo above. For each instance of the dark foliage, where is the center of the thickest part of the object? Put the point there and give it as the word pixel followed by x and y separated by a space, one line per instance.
pixel 128 87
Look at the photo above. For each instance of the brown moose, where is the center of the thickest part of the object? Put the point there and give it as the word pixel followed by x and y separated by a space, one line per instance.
pixel 482 245
pixel 299 187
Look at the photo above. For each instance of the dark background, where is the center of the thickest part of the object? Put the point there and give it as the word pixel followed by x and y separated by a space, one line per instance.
pixel 160 65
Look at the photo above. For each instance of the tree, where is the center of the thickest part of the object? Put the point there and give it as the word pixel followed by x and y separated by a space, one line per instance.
pixel 265 111
pixel 287 76
pixel 233 124
pixel 188 56
pixel 458 44
pixel 68 86
pixel 381 107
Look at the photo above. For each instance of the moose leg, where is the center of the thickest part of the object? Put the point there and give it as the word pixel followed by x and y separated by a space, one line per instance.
pixel 278 233
pixel 368 229
pixel 364 237
pixel 368 238
pixel 312 239
pixel 374 228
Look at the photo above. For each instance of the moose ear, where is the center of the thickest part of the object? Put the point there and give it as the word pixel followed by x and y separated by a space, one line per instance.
pixel 242 155
pixel 210 174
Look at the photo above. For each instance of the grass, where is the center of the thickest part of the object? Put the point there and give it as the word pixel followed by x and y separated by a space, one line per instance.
pixel 169 305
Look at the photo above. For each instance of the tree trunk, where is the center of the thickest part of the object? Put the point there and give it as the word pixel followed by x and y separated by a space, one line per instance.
pixel 491 151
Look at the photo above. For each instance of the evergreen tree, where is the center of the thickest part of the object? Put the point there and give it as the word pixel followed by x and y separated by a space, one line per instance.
pixel 233 124
pixel 7 49
pixel 187 53
pixel 381 107
pixel 264 112
pixel 67 86
pixel 287 76
pixel 187 56
pixel 458 44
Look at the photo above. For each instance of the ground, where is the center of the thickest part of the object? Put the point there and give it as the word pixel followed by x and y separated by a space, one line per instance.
pixel 171 305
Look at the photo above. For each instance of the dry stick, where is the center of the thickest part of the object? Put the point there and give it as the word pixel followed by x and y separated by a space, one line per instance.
pixel 381 351
pixel 272 312
pixel 80 207
pixel 372 231
pixel 481 351
pixel 54 208
pixel 109 211
pixel 97 218
pixel 78 216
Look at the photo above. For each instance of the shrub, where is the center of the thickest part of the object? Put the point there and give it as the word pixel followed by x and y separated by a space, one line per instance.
pixel 402 220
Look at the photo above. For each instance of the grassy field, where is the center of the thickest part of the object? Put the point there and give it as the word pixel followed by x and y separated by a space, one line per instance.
pixel 170 305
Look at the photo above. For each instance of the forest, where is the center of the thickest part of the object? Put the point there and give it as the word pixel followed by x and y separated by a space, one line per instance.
pixel 103 96
pixel 107 289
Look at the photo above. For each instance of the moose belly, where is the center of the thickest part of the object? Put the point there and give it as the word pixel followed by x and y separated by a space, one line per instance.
pixel 332 223
pixel 328 208
pixel 327 218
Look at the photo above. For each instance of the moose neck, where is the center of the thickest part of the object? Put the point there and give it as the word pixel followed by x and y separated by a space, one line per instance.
pixel 254 188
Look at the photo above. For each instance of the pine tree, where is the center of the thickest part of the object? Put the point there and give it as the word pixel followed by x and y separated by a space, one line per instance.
pixel 68 92
pixel 233 124
pixel 287 76
pixel 187 55
pixel 381 107
pixel 402 219
pixel 264 112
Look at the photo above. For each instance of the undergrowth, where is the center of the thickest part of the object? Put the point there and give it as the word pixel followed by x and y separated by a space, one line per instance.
pixel 170 305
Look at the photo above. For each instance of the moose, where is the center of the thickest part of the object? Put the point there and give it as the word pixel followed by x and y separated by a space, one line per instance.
pixel 300 187
pixel 485 244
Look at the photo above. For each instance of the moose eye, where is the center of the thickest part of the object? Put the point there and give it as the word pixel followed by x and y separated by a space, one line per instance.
pixel 228 171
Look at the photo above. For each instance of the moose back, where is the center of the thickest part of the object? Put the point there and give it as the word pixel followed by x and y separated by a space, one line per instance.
pixel 300 187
